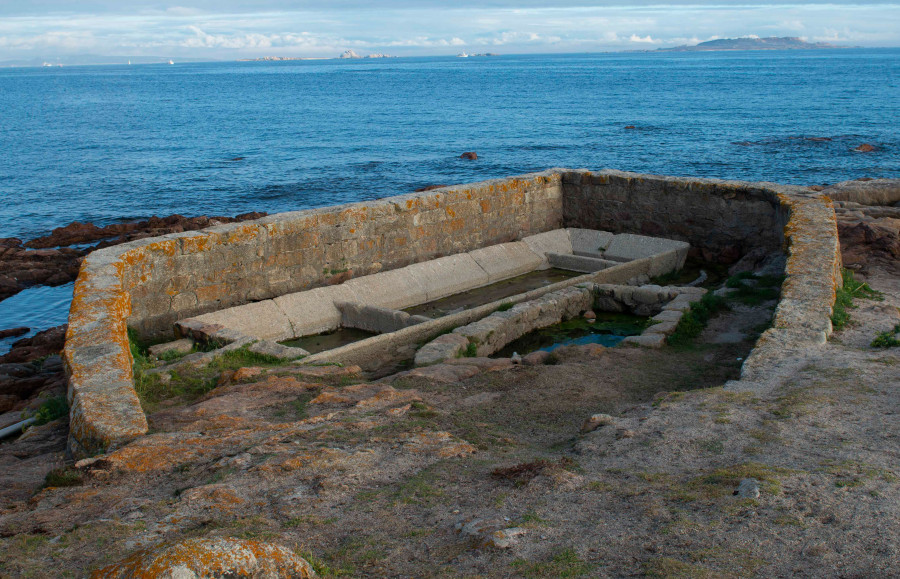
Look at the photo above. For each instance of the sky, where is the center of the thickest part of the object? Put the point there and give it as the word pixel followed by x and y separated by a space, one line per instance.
pixel 227 29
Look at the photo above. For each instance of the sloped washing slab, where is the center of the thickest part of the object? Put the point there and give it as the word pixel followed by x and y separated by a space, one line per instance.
pixel 316 311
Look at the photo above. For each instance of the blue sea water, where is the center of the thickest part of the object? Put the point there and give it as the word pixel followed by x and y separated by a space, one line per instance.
pixel 110 143
pixel 105 143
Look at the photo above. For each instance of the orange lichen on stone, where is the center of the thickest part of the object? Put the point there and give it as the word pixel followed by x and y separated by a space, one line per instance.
pixel 210 557
pixel 444 444
pixel 813 270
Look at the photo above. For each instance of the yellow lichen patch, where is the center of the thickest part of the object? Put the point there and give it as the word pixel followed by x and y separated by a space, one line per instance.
pixel 213 496
pixel 210 557
pixel 443 444
pixel 162 452
pixel 196 243
pixel 320 460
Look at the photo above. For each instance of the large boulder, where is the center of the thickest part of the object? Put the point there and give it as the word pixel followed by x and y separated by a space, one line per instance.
pixel 210 558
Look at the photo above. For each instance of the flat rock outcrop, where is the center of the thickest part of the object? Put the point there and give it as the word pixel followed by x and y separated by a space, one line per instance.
pixel 868 219
pixel 211 558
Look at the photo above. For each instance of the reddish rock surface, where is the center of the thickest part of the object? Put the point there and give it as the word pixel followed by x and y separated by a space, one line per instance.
pixel 470 155
pixel 47 261
pixel 865 148
pixel 40 345
pixel 30 368
pixel 88 232
pixel 630 127
pixel 864 241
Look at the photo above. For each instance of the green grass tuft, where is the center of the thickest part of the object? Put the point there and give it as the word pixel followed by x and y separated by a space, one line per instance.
pixel 887 339
pixel 753 289
pixel 54 408
pixel 843 300
pixel 565 563
pixel 62 477
pixel 694 320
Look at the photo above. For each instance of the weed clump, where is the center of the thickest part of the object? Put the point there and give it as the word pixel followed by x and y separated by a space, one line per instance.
pixel 54 408
pixel 752 289
pixel 843 299
pixel 887 339
pixel 694 320
pixel 62 477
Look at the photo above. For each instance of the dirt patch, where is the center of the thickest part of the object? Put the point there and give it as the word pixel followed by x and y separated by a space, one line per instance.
pixel 485 470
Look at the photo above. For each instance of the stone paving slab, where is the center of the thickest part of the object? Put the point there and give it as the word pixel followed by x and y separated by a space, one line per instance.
pixel 627 246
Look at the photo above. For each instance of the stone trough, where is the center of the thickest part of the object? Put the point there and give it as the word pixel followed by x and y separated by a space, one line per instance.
pixel 374 302
pixel 302 272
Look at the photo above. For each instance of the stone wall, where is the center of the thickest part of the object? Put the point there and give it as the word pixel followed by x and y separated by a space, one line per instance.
pixel 181 275
pixel 149 284
pixel 722 220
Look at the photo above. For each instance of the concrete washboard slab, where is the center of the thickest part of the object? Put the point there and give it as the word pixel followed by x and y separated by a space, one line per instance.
pixel 394 289
pixel 263 320
pixel 506 260
pixel 580 263
pixel 448 275
pixel 589 242
pixel 313 311
pixel 556 241
pixel 628 247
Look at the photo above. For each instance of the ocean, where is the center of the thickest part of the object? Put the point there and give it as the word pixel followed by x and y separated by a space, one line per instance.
pixel 110 143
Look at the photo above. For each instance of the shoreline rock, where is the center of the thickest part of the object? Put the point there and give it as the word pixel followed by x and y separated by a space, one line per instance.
pixel 48 260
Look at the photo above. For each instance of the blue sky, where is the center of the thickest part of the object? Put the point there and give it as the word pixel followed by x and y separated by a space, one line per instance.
pixel 234 29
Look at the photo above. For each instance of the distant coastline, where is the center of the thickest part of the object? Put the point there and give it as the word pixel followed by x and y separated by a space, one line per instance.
pixel 752 43
pixel 280 58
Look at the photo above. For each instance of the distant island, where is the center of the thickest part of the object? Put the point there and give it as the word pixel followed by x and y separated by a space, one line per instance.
pixel 352 54
pixel 751 43
pixel 280 58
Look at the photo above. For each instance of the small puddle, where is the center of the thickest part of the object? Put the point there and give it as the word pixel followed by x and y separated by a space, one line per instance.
pixel 491 293
pixel 329 340
pixel 609 329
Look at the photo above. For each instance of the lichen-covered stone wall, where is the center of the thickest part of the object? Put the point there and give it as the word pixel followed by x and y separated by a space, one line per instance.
pixel 722 220
pixel 183 275
pixel 149 284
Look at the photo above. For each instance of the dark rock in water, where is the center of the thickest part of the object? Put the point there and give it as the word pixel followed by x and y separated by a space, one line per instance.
pixel 88 232
pixel 238 158
pixel 13 332
pixel 40 345
pixel 470 155
pixel 429 188
pixel 865 148
pixel 630 127
pixel 32 369
pixel 819 139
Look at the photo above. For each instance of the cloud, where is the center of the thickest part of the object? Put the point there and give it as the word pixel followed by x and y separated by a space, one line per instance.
pixel 646 39
pixel 227 28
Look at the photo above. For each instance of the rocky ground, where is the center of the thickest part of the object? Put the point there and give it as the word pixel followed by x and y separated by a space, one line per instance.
pixel 602 462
